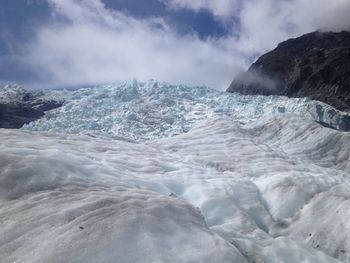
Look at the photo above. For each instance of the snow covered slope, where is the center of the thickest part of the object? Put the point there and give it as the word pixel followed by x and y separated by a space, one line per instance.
pixel 238 184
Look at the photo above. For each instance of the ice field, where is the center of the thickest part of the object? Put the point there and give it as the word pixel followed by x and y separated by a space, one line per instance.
pixel 152 172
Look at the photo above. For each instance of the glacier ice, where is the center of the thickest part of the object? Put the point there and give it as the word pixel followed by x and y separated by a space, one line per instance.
pixel 246 179
pixel 149 110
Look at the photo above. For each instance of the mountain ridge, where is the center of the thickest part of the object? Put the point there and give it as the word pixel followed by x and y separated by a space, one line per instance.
pixel 19 106
pixel 315 65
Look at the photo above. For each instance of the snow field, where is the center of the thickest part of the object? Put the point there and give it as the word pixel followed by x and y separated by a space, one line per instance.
pixel 220 193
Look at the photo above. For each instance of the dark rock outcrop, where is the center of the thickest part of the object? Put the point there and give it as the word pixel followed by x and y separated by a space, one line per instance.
pixel 14 116
pixel 19 106
pixel 315 65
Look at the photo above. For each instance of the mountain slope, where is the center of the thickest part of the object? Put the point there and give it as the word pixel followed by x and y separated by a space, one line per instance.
pixel 315 65
pixel 19 106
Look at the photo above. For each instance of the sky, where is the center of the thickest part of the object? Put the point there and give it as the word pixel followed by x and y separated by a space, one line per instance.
pixel 59 43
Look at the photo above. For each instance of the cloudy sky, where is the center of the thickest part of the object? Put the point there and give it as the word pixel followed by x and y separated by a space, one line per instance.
pixel 49 43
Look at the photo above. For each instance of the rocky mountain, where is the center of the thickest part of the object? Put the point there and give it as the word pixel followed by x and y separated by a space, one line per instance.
pixel 19 106
pixel 315 65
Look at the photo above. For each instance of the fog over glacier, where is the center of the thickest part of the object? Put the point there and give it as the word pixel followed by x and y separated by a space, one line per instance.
pixel 154 172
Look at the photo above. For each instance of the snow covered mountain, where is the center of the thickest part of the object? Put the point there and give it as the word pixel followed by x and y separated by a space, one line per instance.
pixel 19 106
pixel 152 172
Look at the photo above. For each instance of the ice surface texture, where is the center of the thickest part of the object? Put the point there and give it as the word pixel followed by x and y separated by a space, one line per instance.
pixel 239 184
pixel 145 111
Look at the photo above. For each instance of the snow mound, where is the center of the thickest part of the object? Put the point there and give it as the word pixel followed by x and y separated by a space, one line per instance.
pixel 151 110
pixel 273 189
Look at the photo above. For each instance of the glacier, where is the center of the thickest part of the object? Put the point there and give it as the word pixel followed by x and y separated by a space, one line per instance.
pixel 152 110
pixel 154 172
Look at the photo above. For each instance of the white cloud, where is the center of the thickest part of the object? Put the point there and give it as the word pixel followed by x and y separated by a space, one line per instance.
pixel 99 45
pixel 265 23
pixel 96 44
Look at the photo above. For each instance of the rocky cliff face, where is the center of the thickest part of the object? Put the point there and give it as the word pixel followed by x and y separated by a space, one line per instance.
pixel 19 106
pixel 315 65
